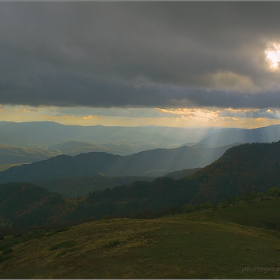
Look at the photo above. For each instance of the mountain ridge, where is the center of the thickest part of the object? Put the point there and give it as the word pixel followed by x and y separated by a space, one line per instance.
pixel 266 134
pixel 96 163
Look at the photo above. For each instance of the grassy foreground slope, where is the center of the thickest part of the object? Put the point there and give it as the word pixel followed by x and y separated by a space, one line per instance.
pixel 202 244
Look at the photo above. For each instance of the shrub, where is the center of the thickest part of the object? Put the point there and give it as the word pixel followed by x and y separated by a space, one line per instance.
pixel 65 244
pixel 62 229
pixel 113 243
pixel 7 251
pixel 187 208
pixel 273 192
pixel 271 225
pixel 205 205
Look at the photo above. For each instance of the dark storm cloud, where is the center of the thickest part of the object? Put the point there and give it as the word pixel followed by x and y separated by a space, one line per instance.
pixel 138 54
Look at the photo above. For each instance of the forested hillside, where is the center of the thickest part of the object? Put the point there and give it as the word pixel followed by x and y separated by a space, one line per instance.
pixel 245 169
pixel 23 205
pixel 152 163
pixel 78 187
pixel 242 169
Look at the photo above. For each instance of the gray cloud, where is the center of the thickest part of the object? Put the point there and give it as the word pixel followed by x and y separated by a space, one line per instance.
pixel 255 113
pixel 133 54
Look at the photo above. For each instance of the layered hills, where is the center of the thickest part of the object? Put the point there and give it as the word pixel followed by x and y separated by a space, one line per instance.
pixel 113 139
pixel 242 170
pixel 14 154
pixel 147 163
pixel 34 141
pixel 261 135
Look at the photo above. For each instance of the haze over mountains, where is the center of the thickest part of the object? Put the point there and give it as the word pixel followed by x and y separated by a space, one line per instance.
pixel 242 170
pixel 239 186
pixel 33 141
pixel 15 154
pixel 49 134
pixel 74 158
pixel 147 163
pixel 261 135
pixel 56 136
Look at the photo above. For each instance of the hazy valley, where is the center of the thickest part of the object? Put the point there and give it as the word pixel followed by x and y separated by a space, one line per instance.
pixel 197 183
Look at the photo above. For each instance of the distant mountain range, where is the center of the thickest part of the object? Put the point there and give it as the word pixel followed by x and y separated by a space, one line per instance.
pixel 260 135
pixel 67 137
pixel 146 163
pixel 242 170
pixel 15 154
pixel 34 141
pixel 113 139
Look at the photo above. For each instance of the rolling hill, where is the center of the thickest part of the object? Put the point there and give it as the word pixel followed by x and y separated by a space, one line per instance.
pixel 242 170
pixel 122 140
pixel 225 243
pixel 24 205
pixel 261 135
pixel 81 186
pixel 73 148
pixel 98 163
pixel 14 154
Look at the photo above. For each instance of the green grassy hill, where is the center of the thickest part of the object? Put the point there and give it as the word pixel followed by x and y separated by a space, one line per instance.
pixel 229 242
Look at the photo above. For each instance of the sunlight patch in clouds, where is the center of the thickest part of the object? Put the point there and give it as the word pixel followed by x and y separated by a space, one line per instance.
pixel 193 113
pixel 25 109
pixel 228 117
pixel 273 55
pixel 173 117
pixel 90 117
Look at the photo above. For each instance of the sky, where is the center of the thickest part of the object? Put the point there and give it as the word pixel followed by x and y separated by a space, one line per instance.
pixel 141 63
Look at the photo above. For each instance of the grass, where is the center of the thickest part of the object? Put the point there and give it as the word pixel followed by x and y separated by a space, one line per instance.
pixel 202 244
pixel 260 213
pixel 64 244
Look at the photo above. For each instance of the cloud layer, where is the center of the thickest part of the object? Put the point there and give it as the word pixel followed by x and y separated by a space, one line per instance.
pixel 132 54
